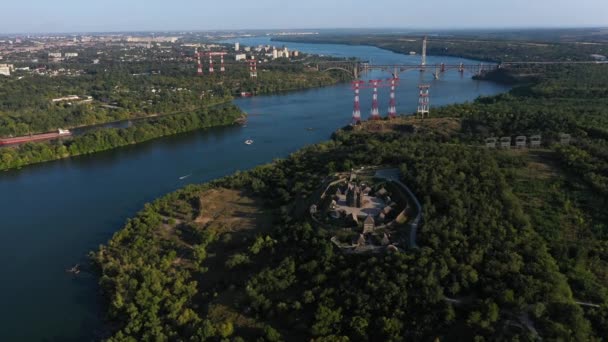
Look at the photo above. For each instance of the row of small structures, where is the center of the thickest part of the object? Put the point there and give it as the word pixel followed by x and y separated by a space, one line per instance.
pixel 521 141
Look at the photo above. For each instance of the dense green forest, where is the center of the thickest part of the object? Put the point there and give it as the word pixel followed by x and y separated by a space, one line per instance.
pixel 513 245
pixel 479 247
pixel 103 139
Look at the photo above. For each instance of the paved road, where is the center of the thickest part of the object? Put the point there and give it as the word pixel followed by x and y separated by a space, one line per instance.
pixel 592 305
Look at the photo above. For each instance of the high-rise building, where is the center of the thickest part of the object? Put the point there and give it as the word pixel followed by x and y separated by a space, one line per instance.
pixel 237 46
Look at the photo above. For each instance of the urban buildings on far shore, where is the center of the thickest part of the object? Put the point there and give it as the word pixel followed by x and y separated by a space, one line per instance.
pixel 6 69
pixel 269 52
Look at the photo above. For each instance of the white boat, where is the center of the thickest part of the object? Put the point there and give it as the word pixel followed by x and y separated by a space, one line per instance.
pixel 249 142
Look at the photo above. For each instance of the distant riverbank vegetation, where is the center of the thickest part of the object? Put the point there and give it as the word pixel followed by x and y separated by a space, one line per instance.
pixel 493 49
pixel 108 138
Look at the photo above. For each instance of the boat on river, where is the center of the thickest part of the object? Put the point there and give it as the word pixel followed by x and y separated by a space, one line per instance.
pixel 74 270
pixel 248 142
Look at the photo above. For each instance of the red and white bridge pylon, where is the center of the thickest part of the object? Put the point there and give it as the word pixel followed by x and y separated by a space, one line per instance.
pixel 199 64
pixel 375 109
pixel 392 105
pixel 253 67
pixel 356 85
pixel 211 55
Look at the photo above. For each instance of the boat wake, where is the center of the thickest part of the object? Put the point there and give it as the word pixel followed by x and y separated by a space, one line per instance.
pixel 184 177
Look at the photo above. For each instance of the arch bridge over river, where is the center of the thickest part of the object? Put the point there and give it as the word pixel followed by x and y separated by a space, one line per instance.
pixel 358 68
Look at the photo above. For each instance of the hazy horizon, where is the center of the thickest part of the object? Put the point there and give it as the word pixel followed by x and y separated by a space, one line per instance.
pixel 71 16
pixel 428 30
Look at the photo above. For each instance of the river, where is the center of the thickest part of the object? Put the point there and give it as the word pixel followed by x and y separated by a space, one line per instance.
pixel 53 214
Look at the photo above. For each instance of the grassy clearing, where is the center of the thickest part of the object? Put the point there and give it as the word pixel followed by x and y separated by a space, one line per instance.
pixel 408 125
pixel 237 219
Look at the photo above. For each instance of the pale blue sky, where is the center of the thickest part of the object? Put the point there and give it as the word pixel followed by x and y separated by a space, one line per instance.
pixel 146 15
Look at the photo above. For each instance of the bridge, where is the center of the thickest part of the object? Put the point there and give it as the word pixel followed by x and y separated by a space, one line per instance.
pixel 357 68
pixel 354 68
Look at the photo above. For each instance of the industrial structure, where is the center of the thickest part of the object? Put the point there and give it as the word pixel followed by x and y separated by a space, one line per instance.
pixel 199 64
pixel 375 110
pixel 423 100
pixel 357 107
pixel 392 105
pixel 423 62
pixel 253 67
pixel 199 69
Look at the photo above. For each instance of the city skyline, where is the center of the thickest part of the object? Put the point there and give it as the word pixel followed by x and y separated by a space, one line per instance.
pixel 68 16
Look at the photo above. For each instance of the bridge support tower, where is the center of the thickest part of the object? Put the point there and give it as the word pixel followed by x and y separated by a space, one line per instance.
pixel 356 85
pixel 375 109
pixel 253 68
pixel 423 62
pixel 392 106
pixel 199 65
pixel 436 73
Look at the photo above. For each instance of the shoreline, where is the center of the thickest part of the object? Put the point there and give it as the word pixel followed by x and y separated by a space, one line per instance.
pixel 381 48
pixel 102 126
pixel 64 151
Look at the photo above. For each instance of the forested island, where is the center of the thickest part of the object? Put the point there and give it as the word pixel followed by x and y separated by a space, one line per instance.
pixel 512 245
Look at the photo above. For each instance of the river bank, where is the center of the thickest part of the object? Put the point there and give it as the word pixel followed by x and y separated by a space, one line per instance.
pixel 66 208
pixel 482 49
pixel 107 138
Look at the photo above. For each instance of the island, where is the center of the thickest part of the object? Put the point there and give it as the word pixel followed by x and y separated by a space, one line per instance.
pixel 404 228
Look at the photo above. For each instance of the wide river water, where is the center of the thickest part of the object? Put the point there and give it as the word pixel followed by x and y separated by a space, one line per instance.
pixel 53 214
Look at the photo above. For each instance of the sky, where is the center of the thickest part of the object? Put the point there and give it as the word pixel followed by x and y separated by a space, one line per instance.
pixel 34 16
